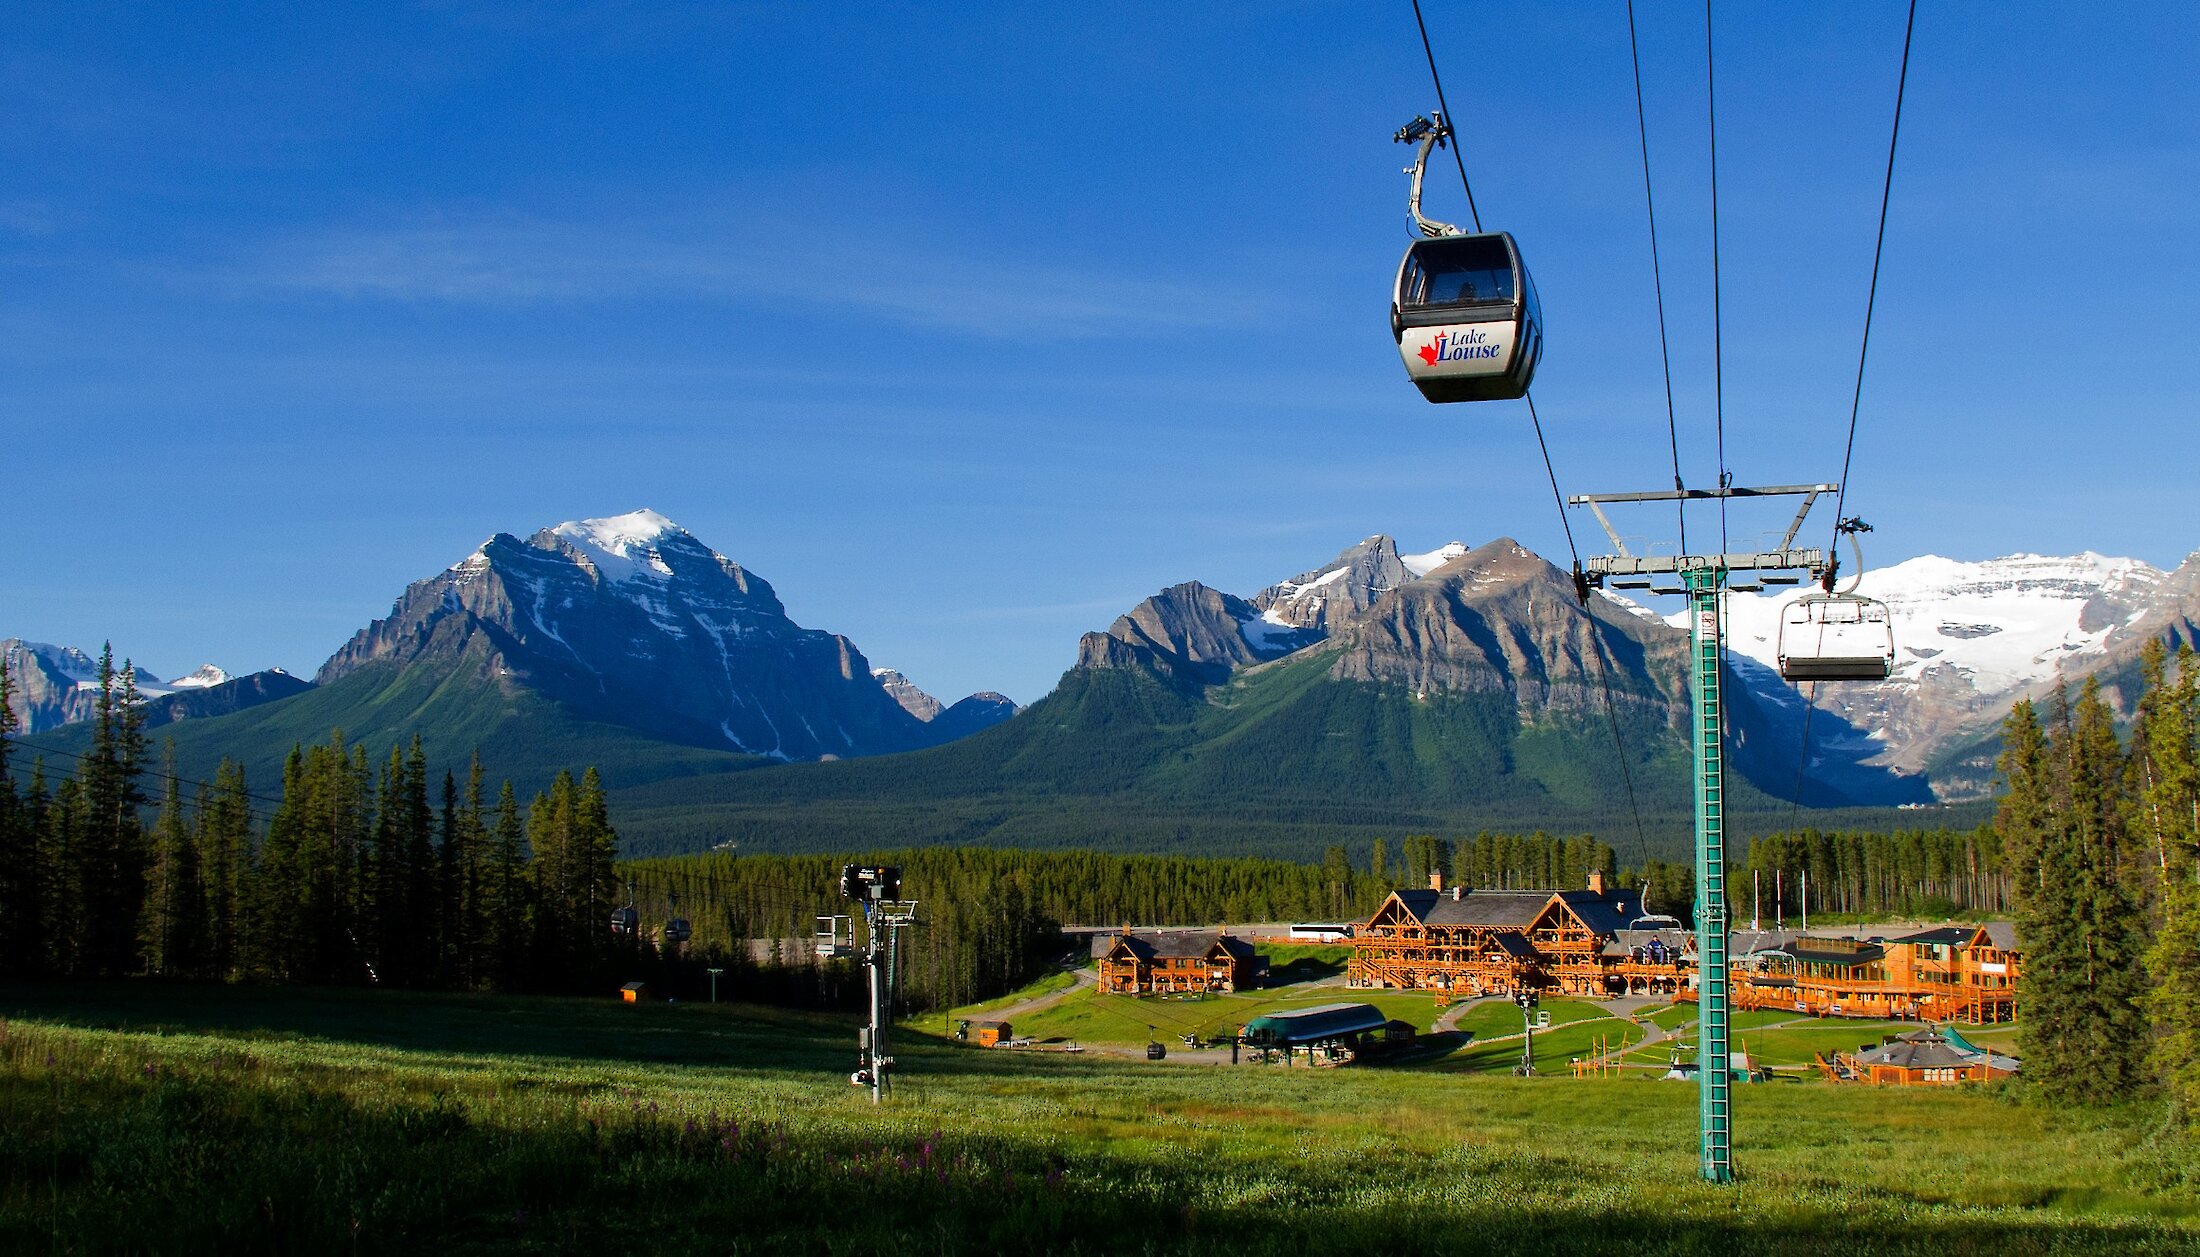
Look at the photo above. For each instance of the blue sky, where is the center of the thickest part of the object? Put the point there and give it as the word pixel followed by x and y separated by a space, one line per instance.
pixel 967 326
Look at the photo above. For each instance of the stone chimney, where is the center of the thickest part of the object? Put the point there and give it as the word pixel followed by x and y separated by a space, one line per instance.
pixel 1436 882
pixel 1596 881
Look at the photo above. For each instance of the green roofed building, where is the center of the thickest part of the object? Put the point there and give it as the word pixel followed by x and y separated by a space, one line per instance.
pixel 1332 1032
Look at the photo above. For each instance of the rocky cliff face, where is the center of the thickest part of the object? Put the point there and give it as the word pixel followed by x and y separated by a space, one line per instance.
pixel 1195 633
pixel 633 621
pixel 1326 597
pixel 1501 619
pixel 904 691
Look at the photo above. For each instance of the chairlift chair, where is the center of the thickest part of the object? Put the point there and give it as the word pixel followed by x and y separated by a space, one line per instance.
pixel 1836 637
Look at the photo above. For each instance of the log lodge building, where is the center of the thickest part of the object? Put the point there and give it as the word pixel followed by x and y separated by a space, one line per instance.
pixel 1598 943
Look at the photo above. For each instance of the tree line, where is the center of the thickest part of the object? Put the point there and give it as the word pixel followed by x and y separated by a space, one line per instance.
pixel 355 874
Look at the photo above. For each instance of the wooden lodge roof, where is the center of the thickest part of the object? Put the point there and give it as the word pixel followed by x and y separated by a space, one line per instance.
pixel 1604 913
pixel 1172 944
pixel 1835 951
pixel 1945 936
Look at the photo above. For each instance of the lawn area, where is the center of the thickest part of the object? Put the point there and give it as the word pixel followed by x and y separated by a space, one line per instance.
pixel 1303 962
pixel 1786 1039
pixel 1575 1027
pixel 1092 1017
pixel 138 1118
pixel 1047 984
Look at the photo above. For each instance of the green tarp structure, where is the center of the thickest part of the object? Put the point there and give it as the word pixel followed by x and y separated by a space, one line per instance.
pixel 1314 1025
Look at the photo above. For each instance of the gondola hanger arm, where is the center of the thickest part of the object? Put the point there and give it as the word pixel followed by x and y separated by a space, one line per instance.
pixel 1427 133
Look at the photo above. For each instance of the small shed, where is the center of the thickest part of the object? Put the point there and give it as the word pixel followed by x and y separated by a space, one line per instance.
pixel 634 992
pixel 990 1033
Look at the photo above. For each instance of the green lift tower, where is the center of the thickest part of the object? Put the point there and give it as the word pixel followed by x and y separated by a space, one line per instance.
pixel 1704 581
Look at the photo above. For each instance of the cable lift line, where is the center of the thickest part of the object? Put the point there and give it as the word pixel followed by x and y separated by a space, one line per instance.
pixel 1451 284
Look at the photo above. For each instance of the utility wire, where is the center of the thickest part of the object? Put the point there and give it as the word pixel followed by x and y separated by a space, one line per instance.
pixel 1438 80
pixel 1886 193
pixel 1657 276
pixel 1565 523
pixel 1856 399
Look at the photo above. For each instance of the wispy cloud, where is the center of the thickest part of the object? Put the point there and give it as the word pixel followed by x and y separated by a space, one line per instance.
pixel 510 260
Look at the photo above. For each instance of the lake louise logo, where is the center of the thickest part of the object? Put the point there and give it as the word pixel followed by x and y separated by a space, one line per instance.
pixel 1458 347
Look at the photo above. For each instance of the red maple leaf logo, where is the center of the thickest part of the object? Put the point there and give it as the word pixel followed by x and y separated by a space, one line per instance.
pixel 1428 353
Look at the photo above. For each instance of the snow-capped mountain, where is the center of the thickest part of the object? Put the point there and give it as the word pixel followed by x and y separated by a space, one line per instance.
pixel 632 621
pixel 59 685
pixel 1971 639
pixel 204 677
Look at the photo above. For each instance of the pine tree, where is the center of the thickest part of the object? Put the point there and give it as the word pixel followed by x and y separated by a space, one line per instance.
pixel 107 848
pixel 173 929
pixel 505 887
pixel 225 844
pixel 20 882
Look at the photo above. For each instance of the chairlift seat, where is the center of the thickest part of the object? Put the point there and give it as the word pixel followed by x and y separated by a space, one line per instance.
pixel 1465 315
pixel 1836 637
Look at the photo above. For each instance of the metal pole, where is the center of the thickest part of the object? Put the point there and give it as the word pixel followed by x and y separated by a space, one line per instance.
pixel 1715 1115
pixel 873 956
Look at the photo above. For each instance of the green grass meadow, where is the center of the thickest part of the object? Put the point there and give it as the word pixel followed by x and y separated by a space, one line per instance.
pixel 137 1118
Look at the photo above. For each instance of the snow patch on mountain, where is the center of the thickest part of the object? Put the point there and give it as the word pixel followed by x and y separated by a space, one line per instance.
pixel 1422 564
pixel 2005 623
pixel 205 676
pixel 1269 633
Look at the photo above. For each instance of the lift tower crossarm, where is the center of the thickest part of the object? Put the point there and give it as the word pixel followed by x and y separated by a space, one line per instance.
pixel 1788 557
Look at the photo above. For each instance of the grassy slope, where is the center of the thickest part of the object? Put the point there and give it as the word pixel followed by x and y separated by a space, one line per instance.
pixel 137 1118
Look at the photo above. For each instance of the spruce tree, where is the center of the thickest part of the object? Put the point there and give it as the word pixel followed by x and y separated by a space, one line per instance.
pixel 20 891
pixel 2169 783
pixel 225 844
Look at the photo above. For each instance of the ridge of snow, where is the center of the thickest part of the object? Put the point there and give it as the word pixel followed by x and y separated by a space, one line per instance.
pixel 1422 564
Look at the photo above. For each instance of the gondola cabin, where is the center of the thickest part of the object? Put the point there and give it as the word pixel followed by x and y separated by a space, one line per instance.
pixel 625 920
pixel 1836 637
pixel 1466 318
pixel 678 931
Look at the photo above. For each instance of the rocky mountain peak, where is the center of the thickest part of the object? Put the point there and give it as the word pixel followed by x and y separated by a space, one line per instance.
pixel 632 620
pixel 904 691
pixel 1325 598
